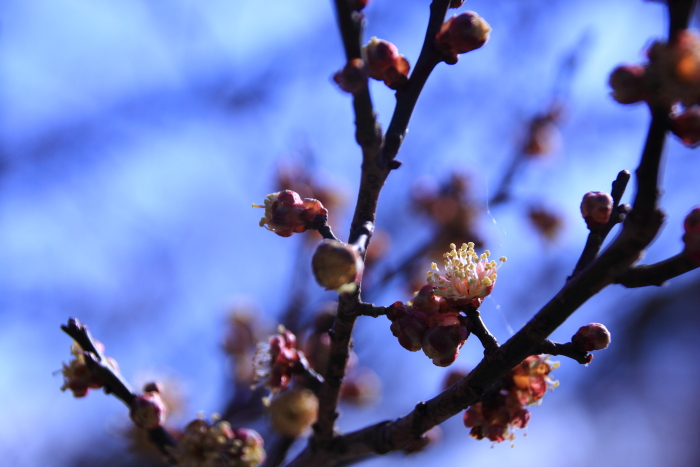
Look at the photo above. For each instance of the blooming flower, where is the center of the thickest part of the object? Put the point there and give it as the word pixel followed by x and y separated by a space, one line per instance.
pixel 468 277
pixel 275 361
pixel 286 213
pixel 498 412
pixel 76 375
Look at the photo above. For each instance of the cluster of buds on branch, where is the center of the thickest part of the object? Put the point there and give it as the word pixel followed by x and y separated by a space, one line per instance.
pixel 670 78
pixel 504 406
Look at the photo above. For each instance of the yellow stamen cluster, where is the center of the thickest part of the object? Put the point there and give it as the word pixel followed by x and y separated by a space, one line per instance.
pixel 265 220
pixel 467 274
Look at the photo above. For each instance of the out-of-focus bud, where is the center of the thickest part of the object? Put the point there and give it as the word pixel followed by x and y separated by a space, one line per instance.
pixel 353 77
pixel 276 361
pixel 218 444
pixel 629 84
pixel 591 337
pixel 596 208
pixel 429 438
pixel 148 411
pixel 673 71
pixel 384 63
pixel 77 377
pixel 686 126
pixel 286 213
pixel 335 264
pixel 691 238
pixel 456 3
pixel 543 135
pixel 454 376
pixel 442 343
pixel 546 222
pixel 461 34
pixel 361 387
pixel 293 412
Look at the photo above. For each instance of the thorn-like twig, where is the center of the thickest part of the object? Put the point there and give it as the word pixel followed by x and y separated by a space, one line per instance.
pixel 565 350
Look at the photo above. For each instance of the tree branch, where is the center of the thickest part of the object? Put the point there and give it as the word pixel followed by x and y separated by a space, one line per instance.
pixel 657 273
pixel 478 328
pixel 114 383
pixel 407 97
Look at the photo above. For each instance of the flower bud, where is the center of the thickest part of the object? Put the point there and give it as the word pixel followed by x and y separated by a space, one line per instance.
pixel 408 325
pixel 286 213
pixel 148 411
pixel 686 126
pixel 353 77
pixel 691 238
pixel 456 3
pixel 384 63
pixel 335 264
pixel 453 377
pixel 596 208
pixel 361 387
pixel 629 84
pixel 293 412
pixel 442 343
pixel 461 34
pixel 594 336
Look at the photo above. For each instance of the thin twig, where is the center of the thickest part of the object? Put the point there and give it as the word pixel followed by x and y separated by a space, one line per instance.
pixel 596 238
pixel 565 350
pixel 368 309
pixel 478 328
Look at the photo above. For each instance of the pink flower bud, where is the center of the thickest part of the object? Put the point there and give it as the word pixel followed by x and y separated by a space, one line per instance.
pixel 361 387
pixel 384 63
pixel 148 411
pixel 276 361
pixel 691 238
pixel 286 213
pixel 596 208
pixel 442 343
pixel 353 77
pixel 686 126
pixel 461 34
pixel 293 412
pixel 456 3
pixel 335 264
pixel 592 337
pixel 629 84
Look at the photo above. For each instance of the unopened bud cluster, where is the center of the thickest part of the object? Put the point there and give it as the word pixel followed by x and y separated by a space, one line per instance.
pixel 384 63
pixel 596 208
pixel 286 213
pixel 671 77
pixel 430 324
pixel 277 360
pixel 499 411
pixel 77 377
pixel 691 237
pixel 205 444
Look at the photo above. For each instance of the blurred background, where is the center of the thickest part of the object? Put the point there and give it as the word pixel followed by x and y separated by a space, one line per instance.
pixel 135 134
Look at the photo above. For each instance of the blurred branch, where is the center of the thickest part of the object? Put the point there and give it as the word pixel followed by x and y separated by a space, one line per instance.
pixel 114 383
pixel 657 273
pixel 368 309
